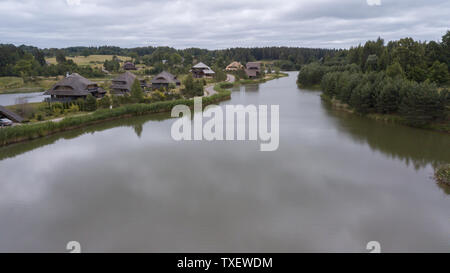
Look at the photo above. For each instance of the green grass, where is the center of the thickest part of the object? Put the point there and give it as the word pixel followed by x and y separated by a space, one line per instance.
pixel 10 85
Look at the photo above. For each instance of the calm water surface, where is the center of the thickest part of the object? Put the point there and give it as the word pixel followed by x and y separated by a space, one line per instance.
pixel 336 182
pixel 12 99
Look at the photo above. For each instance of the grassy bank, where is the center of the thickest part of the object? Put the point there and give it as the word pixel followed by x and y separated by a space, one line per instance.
pixel 390 118
pixel 310 87
pixel 268 77
pixel 442 174
pixel 32 131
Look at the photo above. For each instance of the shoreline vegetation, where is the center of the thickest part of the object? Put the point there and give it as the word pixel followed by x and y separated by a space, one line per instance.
pixel 443 127
pixel 442 174
pixel 26 132
pixel 405 82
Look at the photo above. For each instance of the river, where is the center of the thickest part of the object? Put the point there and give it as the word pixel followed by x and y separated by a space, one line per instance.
pixel 336 182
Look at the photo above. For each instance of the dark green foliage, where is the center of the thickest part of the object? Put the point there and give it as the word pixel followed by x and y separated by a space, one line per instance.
pixel 136 91
pixel 192 87
pixel 112 65
pixel 394 70
pixel 219 76
pixel 422 104
pixel 104 102
pixel 439 73
pixel 91 103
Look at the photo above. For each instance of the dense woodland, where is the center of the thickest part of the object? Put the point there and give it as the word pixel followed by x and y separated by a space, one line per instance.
pixel 405 77
pixel 30 61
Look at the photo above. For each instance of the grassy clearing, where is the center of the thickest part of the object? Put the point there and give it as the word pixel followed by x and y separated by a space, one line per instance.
pixel 91 60
pixel 11 85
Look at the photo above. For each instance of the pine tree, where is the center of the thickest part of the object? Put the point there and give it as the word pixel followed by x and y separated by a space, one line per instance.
pixel 137 95
pixel 91 103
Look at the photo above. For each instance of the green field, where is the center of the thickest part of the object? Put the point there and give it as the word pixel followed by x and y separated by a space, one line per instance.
pixel 9 85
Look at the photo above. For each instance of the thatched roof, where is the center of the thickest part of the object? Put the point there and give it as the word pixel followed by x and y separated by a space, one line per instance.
pixel 254 65
pixel 234 66
pixel 123 81
pixel 201 65
pixel 129 66
pixel 208 71
pixel 74 85
pixel 10 114
pixel 165 77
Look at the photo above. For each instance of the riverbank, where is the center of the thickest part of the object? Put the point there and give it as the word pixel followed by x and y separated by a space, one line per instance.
pixel 25 132
pixel 388 118
pixel 442 174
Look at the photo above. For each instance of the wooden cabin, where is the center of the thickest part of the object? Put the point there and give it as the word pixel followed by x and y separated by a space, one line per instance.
pixel 129 66
pixel 201 70
pixel 73 87
pixel 253 69
pixel 163 80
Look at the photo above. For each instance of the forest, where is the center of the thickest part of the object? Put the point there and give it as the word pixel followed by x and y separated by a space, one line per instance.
pixel 26 61
pixel 406 78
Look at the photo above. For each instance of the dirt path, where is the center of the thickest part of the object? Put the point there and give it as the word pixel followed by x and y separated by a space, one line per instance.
pixel 209 89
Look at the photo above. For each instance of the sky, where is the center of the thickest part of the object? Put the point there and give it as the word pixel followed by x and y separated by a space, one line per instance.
pixel 217 24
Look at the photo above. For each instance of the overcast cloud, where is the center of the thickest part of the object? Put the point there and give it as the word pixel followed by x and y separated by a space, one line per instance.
pixel 219 24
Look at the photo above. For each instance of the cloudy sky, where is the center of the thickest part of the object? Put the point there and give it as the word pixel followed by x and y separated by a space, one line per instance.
pixel 219 24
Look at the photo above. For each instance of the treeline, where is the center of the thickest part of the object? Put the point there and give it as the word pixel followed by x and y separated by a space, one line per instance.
pixel 418 61
pixel 30 61
pixel 375 92
pixel 404 77
pixel 25 61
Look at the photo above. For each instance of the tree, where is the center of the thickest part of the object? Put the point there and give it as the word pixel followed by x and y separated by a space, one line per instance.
pixel 439 73
pixel 389 98
pixel 137 95
pixel 104 102
pixel 85 53
pixel 91 103
pixel 394 70
pixel 423 104
pixel 60 57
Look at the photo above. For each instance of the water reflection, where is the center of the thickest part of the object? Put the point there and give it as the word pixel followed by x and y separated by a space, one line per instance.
pixel 135 123
pixel 126 185
pixel 251 87
pixel 413 146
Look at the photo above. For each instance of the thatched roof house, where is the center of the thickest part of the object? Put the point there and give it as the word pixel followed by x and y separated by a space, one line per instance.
pixel 73 87
pixel 10 115
pixel 234 66
pixel 129 66
pixel 201 70
pixel 253 69
pixel 122 83
pixel 163 80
